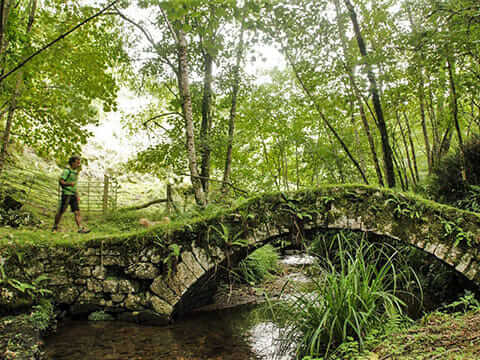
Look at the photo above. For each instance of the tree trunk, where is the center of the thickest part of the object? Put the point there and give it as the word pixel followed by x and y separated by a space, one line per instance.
pixel 17 92
pixel 382 127
pixel 421 99
pixel 233 112
pixel 405 145
pixel 451 71
pixel 184 87
pixel 5 6
pixel 412 147
pixel 357 95
pixel 206 125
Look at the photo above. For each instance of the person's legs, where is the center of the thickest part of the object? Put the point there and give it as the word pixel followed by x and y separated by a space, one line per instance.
pixel 78 219
pixel 61 210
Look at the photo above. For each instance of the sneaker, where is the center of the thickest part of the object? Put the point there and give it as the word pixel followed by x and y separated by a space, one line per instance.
pixel 84 231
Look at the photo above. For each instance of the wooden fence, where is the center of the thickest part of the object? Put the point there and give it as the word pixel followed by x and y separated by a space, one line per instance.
pixel 43 191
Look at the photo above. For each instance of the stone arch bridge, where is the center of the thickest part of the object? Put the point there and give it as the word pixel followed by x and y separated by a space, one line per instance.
pixel 155 274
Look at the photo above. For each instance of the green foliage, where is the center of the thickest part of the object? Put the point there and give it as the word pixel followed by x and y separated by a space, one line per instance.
pixel 16 218
pixel 351 301
pixel 465 303
pixel 447 184
pixel 453 230
pixel 43 315
pixel 28 287
pixel 259 265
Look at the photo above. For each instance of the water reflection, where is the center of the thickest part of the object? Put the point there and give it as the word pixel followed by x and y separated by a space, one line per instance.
pixel 233 334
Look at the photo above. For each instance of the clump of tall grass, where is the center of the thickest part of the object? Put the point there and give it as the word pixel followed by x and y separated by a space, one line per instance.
pixel 353 298
pixel 259 265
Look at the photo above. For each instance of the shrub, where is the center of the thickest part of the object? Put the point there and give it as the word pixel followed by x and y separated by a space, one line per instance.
pixel 260 264
pixel 446 182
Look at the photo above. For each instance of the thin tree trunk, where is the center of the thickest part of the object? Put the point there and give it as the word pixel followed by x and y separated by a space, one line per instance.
pixel 297 166
pixel 405 145
pixel 382 127
pixel 184 87
pixel 206 124
pixel 233 112
pixel 412 147
pixel 451 71
pixel 421 99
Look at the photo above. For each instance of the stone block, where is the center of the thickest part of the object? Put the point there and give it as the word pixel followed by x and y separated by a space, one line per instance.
pixel 160 288
pixel 85 271
pixel 94 286
pixel 110 286
pixel 184 276
pixel 125 287
pixel 143 271
pixel 67 295
pixel 99 272
pixel 161 306
pixel 118 298
pixel 134 302
pixel 192 264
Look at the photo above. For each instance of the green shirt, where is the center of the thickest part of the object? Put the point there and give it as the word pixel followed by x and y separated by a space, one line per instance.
pixel 69 175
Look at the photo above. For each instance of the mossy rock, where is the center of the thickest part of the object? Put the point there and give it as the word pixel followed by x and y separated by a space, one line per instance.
pixel 100 316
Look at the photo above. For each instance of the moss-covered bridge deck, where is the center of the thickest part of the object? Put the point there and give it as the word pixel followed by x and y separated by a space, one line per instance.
pixel 155 274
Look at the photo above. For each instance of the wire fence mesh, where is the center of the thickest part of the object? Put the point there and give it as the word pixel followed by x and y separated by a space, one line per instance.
pixel 42 191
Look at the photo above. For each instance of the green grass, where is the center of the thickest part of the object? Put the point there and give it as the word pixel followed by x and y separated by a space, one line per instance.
pixel 259 265
pixel 349 303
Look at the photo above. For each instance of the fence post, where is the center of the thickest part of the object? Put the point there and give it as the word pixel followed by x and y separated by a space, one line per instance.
pixel 88 197
pixel 169 199
pixel 105 193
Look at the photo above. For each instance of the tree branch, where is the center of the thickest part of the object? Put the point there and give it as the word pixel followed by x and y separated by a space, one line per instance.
pixel 159 116
pixel 219 181
pixel 138 26
pixel 36 53
pixel 143 206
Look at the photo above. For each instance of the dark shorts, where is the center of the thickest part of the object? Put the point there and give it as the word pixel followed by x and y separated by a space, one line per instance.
pixel 69 200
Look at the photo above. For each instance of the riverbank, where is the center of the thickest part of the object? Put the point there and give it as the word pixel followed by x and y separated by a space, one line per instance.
pixel 21 336
pixel 437 336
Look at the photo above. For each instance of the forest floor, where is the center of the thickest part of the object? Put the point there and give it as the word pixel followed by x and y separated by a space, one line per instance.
pixel 437 336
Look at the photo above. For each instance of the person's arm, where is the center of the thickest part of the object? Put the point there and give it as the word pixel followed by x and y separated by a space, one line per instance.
pixel 64 183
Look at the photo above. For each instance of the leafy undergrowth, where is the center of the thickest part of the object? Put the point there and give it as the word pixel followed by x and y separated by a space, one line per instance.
pixel 437 336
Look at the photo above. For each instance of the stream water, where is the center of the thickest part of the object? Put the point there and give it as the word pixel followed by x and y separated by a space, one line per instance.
pixel 232 334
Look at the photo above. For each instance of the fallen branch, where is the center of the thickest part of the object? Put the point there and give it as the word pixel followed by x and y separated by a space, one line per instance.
pixel 143 206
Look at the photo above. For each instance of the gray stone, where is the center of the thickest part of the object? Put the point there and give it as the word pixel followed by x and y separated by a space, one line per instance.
pixel 113 260
pixel 94 286
pixel 58 279
pixel 85 271
pixel 161 306
pixel 67 295
pixel 118 298
pixel 134 302
pixel 110 286
pixel 99 272
pixel 125 287
pixel 143 271
pixel 160 288
pixel 192 264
